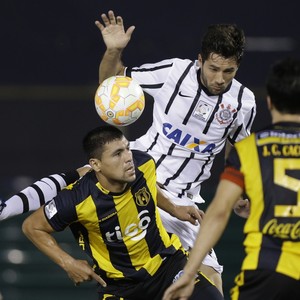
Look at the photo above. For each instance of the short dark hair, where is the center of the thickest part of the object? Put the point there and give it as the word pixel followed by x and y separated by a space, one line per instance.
pixel 227 40
pixel 283 85
pixel 95 140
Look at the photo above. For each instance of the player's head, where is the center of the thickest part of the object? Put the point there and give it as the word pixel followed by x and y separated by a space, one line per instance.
pixel 110 157
pixel 283 85
pixel 226 40
pixel 220 56
pixel 96 139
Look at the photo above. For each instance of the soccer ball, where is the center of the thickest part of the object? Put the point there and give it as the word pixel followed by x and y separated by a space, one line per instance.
pixel 119 100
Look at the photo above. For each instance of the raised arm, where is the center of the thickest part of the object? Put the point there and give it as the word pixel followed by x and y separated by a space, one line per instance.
pixel 116 39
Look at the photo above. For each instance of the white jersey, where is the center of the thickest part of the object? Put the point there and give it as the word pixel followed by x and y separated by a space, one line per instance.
pixel 190 126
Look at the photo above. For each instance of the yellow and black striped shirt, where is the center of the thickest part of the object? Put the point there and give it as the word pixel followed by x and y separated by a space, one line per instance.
pixel 122 233
pixel 268 165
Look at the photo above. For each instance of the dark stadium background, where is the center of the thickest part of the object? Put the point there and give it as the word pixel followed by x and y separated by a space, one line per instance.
pixel 50 51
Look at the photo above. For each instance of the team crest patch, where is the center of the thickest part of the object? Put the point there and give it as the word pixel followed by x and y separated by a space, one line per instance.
pixel 203 111
pixel 225 114
pixel 142 197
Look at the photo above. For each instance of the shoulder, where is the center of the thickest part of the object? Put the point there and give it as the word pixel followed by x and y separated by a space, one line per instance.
pixel 178 67
pixel 141 157
pixel 247 93
pixel 144 165
pixel 183 62
pixel 172 62
pixel 83 184
pixel 143 161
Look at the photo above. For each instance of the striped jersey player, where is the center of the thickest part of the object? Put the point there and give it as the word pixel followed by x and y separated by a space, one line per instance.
pixel 190 125
pixel 110 226
pixel 112 211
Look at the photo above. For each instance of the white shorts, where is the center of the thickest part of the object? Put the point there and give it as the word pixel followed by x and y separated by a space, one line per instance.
pixel 186 231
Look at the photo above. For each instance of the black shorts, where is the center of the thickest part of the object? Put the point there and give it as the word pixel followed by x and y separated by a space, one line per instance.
pixel 264 284
pixel 154 287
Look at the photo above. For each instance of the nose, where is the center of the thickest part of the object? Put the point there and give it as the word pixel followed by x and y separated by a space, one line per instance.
pixel 219 78
pixel 128 156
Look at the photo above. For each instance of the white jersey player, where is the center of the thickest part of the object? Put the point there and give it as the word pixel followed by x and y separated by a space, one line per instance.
pixel 198 106
pixel 190 126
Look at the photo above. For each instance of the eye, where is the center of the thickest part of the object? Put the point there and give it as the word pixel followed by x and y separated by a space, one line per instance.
pixel 229 71
pixel 118 153
pixel 214 69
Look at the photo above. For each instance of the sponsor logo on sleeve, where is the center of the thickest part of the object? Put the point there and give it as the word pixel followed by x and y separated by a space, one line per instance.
pixel 50 209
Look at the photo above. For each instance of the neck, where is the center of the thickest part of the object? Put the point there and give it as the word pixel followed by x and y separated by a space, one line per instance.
pixel 112 186
pixel 280 117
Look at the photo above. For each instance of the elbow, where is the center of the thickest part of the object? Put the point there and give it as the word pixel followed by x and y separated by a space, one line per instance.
pixel 26 227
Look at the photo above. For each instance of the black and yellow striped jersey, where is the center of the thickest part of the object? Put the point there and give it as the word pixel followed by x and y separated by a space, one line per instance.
pixel 269 170
pixel 121 232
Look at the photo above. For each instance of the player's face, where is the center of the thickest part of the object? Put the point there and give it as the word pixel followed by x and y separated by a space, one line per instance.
pixel 116 166
pixel 217 72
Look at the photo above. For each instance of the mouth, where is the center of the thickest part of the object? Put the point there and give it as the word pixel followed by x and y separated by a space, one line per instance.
pixel 130 169
pixel 218 88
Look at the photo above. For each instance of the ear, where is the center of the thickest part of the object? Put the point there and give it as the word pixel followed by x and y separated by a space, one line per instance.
pixel 200 61
pixel 269 103
pixel 95 164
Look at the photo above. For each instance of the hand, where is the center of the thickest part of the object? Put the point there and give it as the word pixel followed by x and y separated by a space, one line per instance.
pixel 80 271
pixel 182 289
pixel 83 170
pixel 189 213
pixel 242 208
pixel 113 32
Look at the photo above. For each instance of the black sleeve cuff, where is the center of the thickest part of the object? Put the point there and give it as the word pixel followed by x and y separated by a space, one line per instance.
pixel 70 176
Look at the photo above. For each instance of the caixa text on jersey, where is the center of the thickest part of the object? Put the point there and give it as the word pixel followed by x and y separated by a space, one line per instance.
pixel 186 140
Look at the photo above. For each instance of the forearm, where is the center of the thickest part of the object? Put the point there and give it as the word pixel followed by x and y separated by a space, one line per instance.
pixel 213 224
pixel 165 203
pixel 38 230
pixel 111 64
pixel 41 237
pixel 212 227
pixel 228 148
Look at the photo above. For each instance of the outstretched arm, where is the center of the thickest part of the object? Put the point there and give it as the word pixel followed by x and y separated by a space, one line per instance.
pixel 39 231
pixel 116 39
pixel 212 227
pixel 41 191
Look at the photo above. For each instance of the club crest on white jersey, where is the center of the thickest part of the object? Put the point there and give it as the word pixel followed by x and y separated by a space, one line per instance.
pixel 225 114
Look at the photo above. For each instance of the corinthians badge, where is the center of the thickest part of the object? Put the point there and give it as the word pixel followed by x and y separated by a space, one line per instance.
pixel 225 114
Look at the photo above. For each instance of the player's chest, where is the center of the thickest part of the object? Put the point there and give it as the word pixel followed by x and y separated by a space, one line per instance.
pixel 202 119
